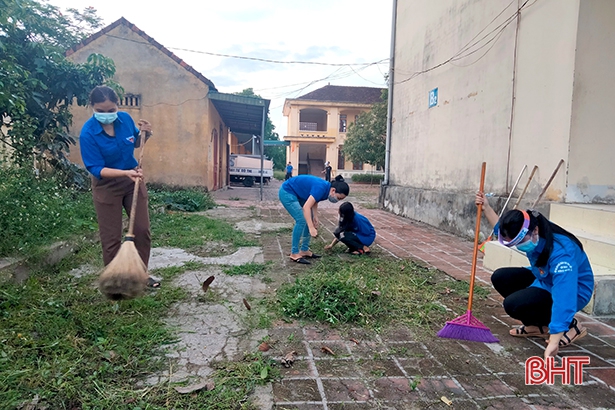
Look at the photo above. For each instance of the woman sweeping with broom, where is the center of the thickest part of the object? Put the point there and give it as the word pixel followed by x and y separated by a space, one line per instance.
pixel 107 142
pixel 546 295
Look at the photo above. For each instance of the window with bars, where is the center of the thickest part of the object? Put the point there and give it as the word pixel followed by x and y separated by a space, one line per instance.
pixel 130 100
pixel 357 166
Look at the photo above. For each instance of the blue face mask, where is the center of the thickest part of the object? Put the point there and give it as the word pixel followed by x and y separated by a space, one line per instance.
pixel 333 199
pixel 528 247
pixel 105 117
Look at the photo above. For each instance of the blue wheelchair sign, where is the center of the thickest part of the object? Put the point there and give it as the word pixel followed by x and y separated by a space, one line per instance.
pixel 433 98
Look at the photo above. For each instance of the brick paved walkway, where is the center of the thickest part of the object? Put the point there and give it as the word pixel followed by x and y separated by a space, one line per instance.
pixel 379 371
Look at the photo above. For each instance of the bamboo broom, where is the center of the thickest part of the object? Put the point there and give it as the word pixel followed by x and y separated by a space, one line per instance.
pixel 125 277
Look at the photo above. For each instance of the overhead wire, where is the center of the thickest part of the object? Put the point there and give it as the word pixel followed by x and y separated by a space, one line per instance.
pixel 463 52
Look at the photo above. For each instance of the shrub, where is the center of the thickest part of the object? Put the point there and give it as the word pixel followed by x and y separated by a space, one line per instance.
pixel 180 199
pixel 279 175
pixel 37 210
pixel 368 178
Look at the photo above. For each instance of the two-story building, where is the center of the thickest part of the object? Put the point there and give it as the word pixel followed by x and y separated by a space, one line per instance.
pixel 317 126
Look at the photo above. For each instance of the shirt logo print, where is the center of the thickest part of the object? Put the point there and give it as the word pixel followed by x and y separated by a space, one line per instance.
pixel 563 267
pixel 131 139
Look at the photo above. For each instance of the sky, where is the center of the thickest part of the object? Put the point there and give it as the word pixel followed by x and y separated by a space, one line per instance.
pixel 329 31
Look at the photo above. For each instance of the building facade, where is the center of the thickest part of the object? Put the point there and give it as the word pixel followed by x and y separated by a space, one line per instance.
pixel 511 84
pixel 190 143
pixel 317 126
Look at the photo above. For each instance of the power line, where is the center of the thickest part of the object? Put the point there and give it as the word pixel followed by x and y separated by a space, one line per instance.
pixel 265 60
pixel 460 54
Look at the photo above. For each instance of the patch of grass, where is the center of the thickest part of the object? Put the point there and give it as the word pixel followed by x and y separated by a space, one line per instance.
pixel 462 288
pixel 179 199
pixel 184 231
pixel 370 292
pixel 63 341
pixel 234 198
pixel 36 211
pixel 248 269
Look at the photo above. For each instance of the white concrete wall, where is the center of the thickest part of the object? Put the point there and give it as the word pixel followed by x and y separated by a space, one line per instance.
pixel 591 175
pixel 544 84
pixel 442 148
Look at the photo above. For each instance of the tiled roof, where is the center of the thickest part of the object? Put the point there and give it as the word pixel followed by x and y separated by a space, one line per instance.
pixel 339 93
pixel 150 40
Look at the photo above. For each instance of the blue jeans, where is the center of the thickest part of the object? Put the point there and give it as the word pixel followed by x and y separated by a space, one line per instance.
pixel 294 206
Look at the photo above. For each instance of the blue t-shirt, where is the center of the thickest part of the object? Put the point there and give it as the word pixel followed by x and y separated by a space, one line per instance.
pixel 364 229
pixel 569 278
pixel 98 150
pixel 289 169
pixel 305 185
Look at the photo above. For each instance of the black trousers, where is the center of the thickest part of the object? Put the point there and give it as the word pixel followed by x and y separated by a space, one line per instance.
pixel 349 239
pixel 288 176
pixel 532 306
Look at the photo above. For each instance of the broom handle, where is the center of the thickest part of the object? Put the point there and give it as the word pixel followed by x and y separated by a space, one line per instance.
pixel 525 187
pixel 508 199
pixel 561 161
pixel 479 212
pixel 135 195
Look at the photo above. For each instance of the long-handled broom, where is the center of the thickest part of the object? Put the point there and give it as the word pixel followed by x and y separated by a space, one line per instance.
pixel 125 277
pixel 467 327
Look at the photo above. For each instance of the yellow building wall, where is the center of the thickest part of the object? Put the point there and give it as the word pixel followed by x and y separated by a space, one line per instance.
pixel 171 98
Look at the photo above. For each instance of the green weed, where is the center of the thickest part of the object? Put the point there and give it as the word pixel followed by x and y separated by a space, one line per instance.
pixel 248 269
pixel 183 230
pixel 364 291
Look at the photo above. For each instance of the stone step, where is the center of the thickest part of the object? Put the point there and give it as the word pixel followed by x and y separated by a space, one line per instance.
pixel 499 256
pixel 600 249
pixel 595 219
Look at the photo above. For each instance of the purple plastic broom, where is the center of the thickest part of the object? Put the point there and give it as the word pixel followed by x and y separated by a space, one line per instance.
pixel 467 327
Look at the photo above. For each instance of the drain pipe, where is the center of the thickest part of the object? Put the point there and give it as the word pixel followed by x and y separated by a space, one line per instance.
pixel 387 155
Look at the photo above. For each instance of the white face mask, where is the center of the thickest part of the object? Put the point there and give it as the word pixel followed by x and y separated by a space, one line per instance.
pixel 105 117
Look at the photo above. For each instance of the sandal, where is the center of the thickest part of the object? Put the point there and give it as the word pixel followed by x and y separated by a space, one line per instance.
pixel 358 252
pixel 522 332
pixel 302 261
pixel 566 340
pixel 312 256
pixel 153 283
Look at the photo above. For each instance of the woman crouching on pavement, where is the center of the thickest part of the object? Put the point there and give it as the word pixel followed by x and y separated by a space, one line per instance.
pixel 558 283
pixel 354 230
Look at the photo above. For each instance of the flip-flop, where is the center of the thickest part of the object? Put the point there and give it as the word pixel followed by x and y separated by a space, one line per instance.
pixel 521 332
pixel 312 256
pixel 302 261
pixel 153 283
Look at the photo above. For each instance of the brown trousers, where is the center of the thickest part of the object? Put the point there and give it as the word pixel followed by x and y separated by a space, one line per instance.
pixel 110 195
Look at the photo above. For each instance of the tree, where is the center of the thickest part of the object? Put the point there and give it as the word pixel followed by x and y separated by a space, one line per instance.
pixel 38 84
pixel 275 153
pixel 366 138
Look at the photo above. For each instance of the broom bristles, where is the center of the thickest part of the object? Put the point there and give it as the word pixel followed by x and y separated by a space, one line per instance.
pixel 467 327
pixel 126 276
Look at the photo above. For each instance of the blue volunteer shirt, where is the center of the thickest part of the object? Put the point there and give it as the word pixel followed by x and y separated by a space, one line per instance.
pixel 98 150
pixel 289 169
pixel 305 185
pixel 364 229
pixel 569 278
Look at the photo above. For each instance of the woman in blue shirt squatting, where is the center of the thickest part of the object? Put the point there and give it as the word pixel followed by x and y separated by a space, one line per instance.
pixel 300 196
pixel 107 143
pixel 546 295
pixel 354 230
